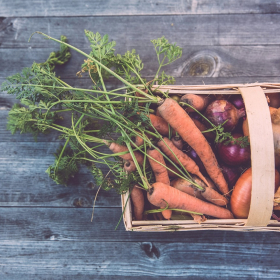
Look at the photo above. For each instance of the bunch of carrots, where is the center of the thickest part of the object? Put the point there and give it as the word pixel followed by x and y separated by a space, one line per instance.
pixel 182 193
pixel 155 129
pixel 210 194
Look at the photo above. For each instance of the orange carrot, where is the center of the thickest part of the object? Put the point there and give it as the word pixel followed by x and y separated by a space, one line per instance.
pixel 199 102
pixel 208 135
pixel 160 173
pixel 199 218
pixel 186 161
pixel 139 141
pixel 173 168
pixel 208 193
pixel 117 148
pixel 179 120
pixel 137 198
pixel 160 125
pixel 129 166
pixel 159 194
pixel 138 94
pixel 158 215
pixel 180 185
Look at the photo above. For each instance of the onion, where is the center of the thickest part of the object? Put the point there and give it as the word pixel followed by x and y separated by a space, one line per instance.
pixel 274 99
pixel 245 127
pixel 233 154
pixel 237 101
pixel 241 194
pixel 231 174
pixel 176 98
pixel 220 111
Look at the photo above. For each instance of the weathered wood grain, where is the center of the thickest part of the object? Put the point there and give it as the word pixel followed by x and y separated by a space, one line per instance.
pixel 152 259
pixel 45 230
pixel 25 183
pixel 110 8
pixel 188 30
pixel 73 224
pixel 216 61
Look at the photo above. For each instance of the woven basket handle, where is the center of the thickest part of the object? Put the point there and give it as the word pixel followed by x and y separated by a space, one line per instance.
pixel 262 155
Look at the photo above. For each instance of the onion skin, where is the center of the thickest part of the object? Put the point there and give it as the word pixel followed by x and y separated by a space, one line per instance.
pixel 274 99
pixel 220 111
pixel 275 115
pixel 231 174
pixel 176 98
pixel 237 101
pixel 245 128
pixel 233 154
pixel 241 195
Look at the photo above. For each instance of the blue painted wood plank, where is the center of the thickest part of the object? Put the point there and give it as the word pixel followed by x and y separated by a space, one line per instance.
pixel 66 8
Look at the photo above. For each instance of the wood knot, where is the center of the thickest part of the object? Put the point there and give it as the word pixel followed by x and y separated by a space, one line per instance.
pixel 202 64
pixel 81 202
pixel 150 250
pixel 6 25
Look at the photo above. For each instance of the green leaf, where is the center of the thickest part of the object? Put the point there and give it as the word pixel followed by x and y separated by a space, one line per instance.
pixel 163 47
pixel 58 58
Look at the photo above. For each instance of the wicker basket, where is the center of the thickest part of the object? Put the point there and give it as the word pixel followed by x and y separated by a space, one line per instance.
pixel 262 160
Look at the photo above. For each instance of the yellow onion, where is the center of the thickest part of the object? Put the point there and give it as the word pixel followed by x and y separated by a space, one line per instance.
pixel 241 195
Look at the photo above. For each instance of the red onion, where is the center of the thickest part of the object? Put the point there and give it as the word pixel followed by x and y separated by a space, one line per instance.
pixel 220 111
pixel 237 101
pixel 232 153
pixel 231 174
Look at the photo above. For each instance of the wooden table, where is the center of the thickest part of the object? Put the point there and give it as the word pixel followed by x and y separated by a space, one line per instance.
pixel 46 232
